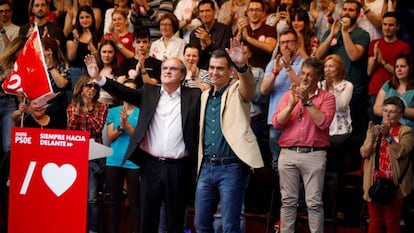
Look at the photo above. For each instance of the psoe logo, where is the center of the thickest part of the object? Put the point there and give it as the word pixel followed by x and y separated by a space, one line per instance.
pixel 22 138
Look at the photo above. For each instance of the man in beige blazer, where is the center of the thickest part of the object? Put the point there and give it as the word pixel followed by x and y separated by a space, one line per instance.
pixel 228 148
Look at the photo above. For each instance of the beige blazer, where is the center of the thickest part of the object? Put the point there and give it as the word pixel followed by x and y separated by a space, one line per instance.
pixel 235 121
pixel 399 160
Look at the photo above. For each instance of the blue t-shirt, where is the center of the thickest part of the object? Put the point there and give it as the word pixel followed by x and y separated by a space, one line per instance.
pixel 119 145
pixel 407 97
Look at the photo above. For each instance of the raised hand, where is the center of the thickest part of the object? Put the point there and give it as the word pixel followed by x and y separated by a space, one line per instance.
pixel 92 67
pixel 236 52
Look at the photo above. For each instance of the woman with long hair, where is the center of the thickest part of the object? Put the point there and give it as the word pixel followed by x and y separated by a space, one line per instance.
pixel 81 42
pixel 59 74
pixel 72 11
pixel 88 114
pixel 108 65
pixel 401 85
pixel 300 23
pixel 8 104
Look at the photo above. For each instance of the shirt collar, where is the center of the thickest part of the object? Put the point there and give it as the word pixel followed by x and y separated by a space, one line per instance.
pixel 176 92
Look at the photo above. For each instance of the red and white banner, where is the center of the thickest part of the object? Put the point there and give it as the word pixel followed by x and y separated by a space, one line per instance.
pixel 48 181
pixel 29 77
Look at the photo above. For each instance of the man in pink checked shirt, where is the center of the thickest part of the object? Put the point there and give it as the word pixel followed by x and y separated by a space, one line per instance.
pixel 305 114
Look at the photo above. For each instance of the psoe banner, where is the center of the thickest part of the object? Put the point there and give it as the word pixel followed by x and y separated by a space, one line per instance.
pixel 48 180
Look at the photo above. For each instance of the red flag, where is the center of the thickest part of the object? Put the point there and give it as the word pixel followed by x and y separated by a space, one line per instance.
pixel 29 77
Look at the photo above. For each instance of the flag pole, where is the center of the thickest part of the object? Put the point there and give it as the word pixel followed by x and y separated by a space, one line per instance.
pixel 22 116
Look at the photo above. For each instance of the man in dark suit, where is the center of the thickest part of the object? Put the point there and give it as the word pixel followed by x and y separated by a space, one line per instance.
pixel 164 142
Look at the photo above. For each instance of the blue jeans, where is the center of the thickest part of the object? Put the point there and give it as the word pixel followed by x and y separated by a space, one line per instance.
pixel 274 135
pixel 220 183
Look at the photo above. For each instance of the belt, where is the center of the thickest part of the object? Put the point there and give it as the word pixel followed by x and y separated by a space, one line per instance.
pixel 220 161
pixel 167 160
pixel 304 149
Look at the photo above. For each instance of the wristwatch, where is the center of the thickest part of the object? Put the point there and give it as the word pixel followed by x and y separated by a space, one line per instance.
pixel 2 31
pixel 389 139
pixel 308 103
pixel 119 129
pixel 242 69
pixel 119 46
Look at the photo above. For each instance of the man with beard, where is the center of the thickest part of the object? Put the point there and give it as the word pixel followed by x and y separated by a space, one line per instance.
pixel 260 38
pixel 349 41
pixel 46 29
pixel 305 114
pixel 279 74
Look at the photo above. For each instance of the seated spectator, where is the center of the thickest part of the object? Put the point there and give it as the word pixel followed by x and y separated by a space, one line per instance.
pixel 401 85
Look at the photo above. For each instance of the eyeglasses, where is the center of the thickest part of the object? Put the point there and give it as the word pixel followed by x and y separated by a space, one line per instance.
pixel 287 42
pixel 386 111
pixel 255 10
pixel 173 68
pixel 5 11
pixel 90 85
pixel 165 24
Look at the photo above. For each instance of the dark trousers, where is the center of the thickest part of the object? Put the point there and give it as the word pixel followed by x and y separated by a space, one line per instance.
pixel 167 181
pixel 115 177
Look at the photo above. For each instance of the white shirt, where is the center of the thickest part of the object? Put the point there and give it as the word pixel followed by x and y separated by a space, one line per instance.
pixel 12 31
pixel 175 48
pixel 164 137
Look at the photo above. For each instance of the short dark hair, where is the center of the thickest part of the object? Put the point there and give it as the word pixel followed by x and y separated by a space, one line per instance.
pixel 258 1
pixel 316 65
pixel 193 46
pixel 391 14
pixel 142 33
pixel 4 2
pixel 289 31
pixel 397 101
pixel 222 54
pixel 359 6
pixel 202 2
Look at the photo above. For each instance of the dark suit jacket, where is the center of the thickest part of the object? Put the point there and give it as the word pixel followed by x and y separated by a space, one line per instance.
pixel 146 98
